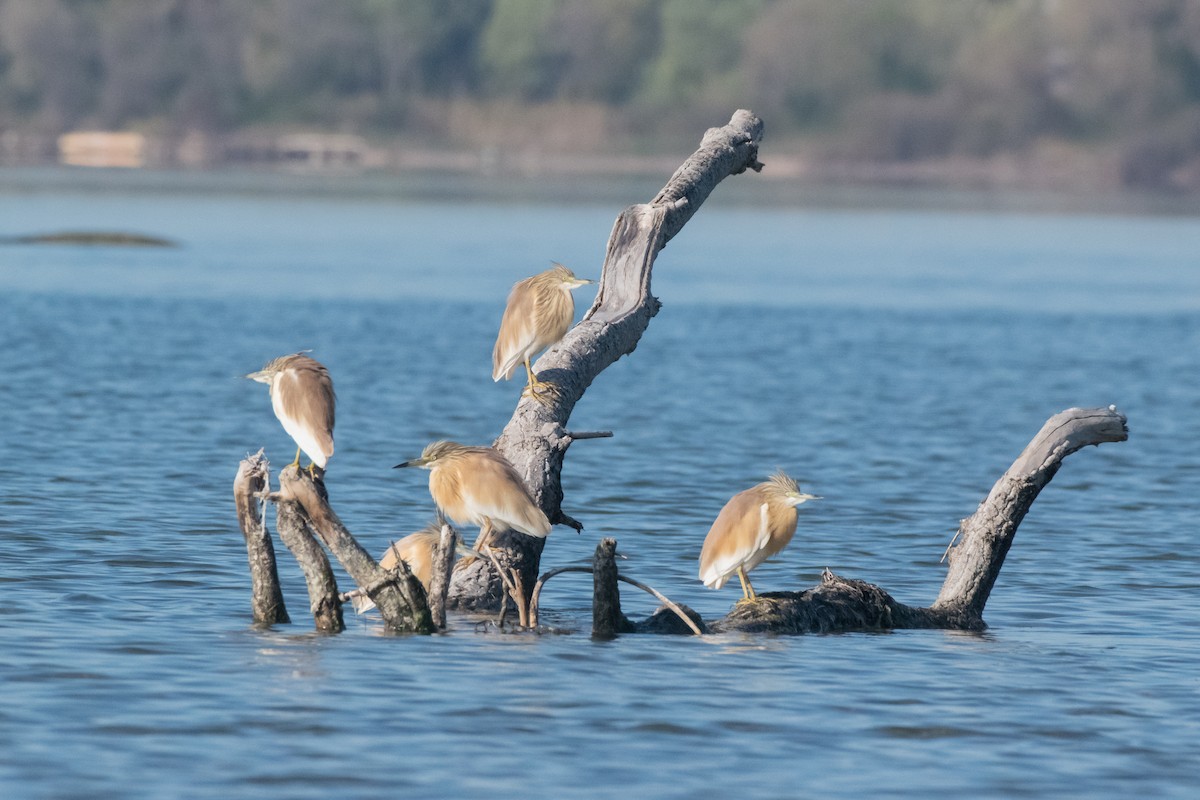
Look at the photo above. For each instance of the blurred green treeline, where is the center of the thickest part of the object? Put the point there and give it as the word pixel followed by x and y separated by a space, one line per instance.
pixel 888 80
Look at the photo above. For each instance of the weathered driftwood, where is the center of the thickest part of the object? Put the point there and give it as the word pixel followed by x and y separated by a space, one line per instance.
pixel 324 602
pixel 983 538
pixel 266 596
pixel 976 556
pixel 397 593
pixel 536 438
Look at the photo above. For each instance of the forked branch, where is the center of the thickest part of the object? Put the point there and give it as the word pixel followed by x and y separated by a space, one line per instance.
pixel 536 438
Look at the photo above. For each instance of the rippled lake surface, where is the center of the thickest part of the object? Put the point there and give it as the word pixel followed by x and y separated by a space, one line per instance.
pixel 896 362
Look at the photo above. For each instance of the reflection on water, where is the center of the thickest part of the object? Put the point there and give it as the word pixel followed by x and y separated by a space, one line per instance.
pixel 895 363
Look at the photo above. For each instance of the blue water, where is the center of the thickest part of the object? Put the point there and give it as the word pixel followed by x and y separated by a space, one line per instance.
pixel 895 362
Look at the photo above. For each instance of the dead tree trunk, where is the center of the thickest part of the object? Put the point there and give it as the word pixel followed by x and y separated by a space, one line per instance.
pixel 536 438
pixel 397 593
pixel 266 596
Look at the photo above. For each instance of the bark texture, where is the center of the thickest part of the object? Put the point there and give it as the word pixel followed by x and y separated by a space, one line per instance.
pixel 324 602
pixel 536 438
pixel 439 575
pixel 607 619
pixel 266 596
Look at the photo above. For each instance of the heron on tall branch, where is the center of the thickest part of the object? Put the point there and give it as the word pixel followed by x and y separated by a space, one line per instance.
pixel 753 526
pixel 303 399
pixel 477 486
pixel 539 313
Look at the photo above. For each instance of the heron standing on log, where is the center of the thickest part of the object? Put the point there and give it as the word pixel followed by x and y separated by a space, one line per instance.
pixel 477 486
pixel 753 526
pixel 303 399
pixel 539 312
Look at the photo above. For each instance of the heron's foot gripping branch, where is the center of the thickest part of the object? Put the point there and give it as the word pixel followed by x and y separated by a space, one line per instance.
pixel 543 392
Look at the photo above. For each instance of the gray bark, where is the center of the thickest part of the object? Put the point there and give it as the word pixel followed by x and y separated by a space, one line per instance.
pixel 266 596
pixel 536 438
pixel 397 593
pixel 983 538
pixel 439 580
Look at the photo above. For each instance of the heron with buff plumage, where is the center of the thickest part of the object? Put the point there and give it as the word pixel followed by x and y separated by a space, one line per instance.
pixel 754 525
pixel 539 313
pixel 478 486
pixel 303 399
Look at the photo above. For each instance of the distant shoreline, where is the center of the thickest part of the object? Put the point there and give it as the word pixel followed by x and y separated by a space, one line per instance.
pixel 594 181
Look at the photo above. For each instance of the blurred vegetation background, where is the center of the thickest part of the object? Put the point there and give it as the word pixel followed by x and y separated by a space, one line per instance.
pixel 1081 93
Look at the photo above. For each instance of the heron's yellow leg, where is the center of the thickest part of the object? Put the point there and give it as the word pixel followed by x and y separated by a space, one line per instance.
pixel 296 462
pixel 542 391
pixel 484 537
pixel 748 595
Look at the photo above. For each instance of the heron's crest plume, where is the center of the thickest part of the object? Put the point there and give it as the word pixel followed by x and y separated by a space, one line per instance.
pixel 784 484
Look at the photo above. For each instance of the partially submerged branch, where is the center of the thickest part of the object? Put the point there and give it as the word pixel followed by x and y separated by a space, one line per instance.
pixel 839 604
pixel 984 537
pixel 324 602
pixel 439 580
pixel 266 596
pixel 399 597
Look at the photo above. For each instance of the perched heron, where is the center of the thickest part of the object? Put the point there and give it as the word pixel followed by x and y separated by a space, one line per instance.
pixel 416 550
pixel 753 526
pixel 539 313
pixel 477 486
pixel 303 399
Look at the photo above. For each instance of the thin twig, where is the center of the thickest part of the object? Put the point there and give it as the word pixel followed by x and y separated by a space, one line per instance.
pixel 512 591
pixel 519 596
pixel 537 590
pixel 663 599
pixel 588 435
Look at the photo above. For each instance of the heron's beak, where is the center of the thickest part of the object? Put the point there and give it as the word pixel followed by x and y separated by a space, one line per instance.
pixel 259 376
pixel 582 282
pixel 806 497
pixel 414 462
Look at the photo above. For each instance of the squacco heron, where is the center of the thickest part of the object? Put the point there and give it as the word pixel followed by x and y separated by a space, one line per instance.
pixel 477 486
pixel 539 313
pixel 753 526
pixel 417 550
pixel 303 399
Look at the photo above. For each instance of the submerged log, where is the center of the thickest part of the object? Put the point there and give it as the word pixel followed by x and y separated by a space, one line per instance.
pixel 536 438
pixel 266 596
pixel 976 556
pixel 397 593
